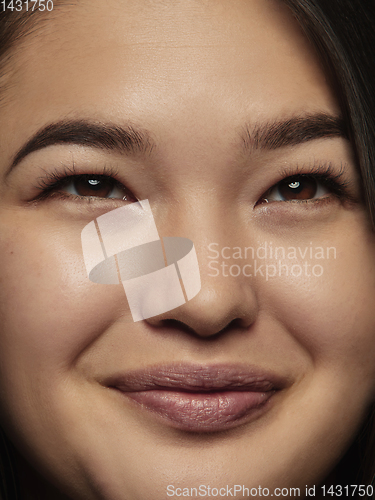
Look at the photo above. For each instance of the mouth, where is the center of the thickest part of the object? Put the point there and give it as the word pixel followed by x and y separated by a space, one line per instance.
pixel 200 398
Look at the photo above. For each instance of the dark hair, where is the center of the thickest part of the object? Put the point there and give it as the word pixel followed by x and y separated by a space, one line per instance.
pixel 15 27
pixel 9 483
pixel 343 33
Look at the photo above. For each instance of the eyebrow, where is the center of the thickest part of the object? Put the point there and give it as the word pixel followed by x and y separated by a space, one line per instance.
pixel 128 140
pixel 132 141
pixel 293 131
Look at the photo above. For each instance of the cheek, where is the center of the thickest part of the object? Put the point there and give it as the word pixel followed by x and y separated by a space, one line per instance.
pixel 331 314
pixel 49 310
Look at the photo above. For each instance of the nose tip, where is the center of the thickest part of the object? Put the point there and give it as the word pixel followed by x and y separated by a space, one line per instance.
pixel 213 311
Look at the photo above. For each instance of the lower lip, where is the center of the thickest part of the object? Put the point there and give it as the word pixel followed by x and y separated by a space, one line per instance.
pixel 204 412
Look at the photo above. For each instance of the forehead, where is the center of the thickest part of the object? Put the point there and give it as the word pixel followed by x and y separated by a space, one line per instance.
pixel 165 62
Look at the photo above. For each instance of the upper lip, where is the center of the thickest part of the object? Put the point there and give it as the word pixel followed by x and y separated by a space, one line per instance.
pixel 198 378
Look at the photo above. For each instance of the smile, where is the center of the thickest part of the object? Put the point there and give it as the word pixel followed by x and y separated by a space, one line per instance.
pixel 201 398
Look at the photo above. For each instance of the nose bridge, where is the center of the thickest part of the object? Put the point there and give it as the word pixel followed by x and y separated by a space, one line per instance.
pixel 207 222
pixel 224 297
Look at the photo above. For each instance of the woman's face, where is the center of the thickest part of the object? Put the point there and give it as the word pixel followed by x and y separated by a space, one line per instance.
pixel 230 100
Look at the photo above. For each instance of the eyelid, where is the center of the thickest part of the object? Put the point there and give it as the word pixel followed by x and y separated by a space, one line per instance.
pixel 58 175
pixel 48 184
pixel 332 177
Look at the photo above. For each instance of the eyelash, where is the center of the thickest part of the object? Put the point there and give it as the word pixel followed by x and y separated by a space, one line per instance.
pixel 325 174
pixel 59 179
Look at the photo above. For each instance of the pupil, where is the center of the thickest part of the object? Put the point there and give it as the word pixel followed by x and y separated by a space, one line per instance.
pixel 300 188
pixel 93 187
pixel 94 182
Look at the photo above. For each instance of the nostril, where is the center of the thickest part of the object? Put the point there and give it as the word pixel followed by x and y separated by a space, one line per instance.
pixel 236 323
pixel 175 323
pixel 213 313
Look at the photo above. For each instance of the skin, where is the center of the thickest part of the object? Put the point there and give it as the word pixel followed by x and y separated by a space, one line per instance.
pixel 193 74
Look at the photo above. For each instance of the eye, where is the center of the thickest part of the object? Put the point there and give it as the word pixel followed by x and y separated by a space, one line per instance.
pixel 98 186
pixel 296 188
pixel 65 185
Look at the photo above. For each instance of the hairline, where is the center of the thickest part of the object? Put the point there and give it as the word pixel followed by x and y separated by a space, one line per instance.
pixel 25 25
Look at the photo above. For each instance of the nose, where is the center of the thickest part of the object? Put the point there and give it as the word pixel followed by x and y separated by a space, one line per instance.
pixel 224 301
pixel 212 312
